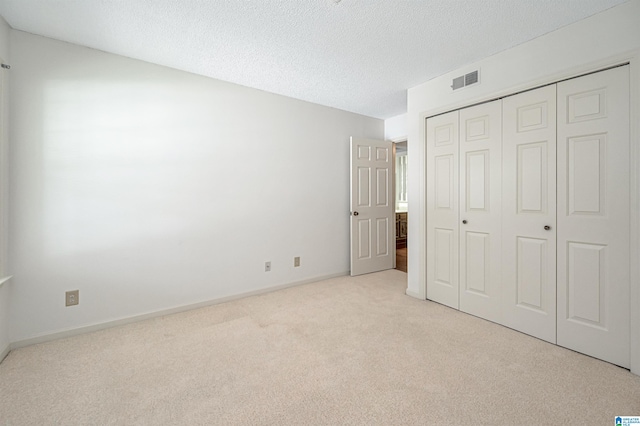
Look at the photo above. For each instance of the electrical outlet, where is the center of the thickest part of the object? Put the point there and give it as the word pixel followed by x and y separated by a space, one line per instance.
pixel 72 297
pixel 267 266
pixel 296 261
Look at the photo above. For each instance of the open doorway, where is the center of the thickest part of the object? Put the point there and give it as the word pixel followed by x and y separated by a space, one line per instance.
pixel 401 206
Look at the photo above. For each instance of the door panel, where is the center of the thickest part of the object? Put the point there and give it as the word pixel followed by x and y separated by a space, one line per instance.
pixel 480 155
pixel 382 232
pixel 532 186
pixel 372 238
pixel 444 181
pixel 363 185
pixel 477 265
pixel 442 209
pixel 445 264
pixel 382 193
pixel 593 215
pixel 586 174
pixel 364 238
pixel 532 275
pixel 528 205
pixel 586 283
pixel 477 180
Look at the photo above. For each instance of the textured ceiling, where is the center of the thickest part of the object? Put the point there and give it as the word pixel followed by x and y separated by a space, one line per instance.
pixel 355 55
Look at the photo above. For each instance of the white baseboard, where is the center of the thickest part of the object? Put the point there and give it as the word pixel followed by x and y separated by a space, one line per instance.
pixel 413 294
pixel 5 279
pixel 137 318
pixel 5 352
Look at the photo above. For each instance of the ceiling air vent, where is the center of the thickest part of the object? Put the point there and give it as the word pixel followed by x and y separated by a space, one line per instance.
pixel 458 82
pixel 465 80
pixel 471 78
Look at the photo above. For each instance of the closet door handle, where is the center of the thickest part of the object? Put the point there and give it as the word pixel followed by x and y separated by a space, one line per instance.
pixel 464 221
pixel 547 227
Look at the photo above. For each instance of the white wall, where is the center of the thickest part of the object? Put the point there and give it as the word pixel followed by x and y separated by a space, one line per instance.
pixel 602 40
pixel 395 128
pixel 4 133
pixel 148 188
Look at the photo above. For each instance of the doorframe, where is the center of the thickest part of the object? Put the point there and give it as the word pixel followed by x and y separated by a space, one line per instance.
pixel 633 59
pixel 395 147
pixel 393 195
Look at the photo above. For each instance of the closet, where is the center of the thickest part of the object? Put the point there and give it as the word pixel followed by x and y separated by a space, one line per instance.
pixel 528 215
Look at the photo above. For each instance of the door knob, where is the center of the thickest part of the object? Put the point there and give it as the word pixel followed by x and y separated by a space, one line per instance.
pixel 356 213
pixel 547 227
pixel 464 221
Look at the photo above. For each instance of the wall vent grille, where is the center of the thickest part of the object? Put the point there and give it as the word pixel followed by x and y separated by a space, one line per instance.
pixel 465 80
pixel 471 78
pixel 458 82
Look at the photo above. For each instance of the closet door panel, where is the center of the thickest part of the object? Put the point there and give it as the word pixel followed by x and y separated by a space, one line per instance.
pixel 529 213
pixel 480 209
pixel 593 215
pixel 442 209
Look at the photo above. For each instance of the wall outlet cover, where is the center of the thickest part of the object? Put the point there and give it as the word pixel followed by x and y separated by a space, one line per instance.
pixel 72 297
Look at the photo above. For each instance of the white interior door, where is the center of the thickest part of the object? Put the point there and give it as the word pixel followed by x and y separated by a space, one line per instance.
pixel 372 206
pixel 529 212
pixel 480 155
pixel 442 209
pixel 593 215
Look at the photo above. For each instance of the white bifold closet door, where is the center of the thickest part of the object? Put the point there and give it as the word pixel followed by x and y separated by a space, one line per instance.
pixel 593 215
pixel 529 212
pixel 463 191
pixel 480 161
pixel 442 209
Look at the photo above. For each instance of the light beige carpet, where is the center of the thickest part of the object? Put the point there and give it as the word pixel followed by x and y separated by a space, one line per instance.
pixel 342 351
